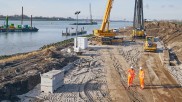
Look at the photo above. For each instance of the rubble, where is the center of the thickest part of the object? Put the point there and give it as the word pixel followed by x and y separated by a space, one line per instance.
pixel 23 74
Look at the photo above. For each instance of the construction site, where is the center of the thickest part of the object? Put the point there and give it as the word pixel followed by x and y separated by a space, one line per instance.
pixel 99 72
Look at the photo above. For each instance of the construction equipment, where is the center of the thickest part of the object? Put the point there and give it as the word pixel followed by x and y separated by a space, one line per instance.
pixel 104 34
pixel 138 21
pixel 149 44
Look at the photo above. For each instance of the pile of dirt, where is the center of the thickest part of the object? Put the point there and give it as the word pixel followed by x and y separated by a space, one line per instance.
pixel 170 33
pixel 20 74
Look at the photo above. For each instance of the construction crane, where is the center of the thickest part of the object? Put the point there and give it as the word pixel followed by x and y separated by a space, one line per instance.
pixel 104 34
pixel 138 21
pixel 139 28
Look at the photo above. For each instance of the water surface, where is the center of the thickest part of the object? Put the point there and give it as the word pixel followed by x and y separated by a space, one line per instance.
pixel 49 32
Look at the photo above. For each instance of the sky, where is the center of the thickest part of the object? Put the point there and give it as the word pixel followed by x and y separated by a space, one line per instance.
pixel 122 9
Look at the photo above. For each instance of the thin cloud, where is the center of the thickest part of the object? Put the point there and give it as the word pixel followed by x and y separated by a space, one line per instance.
pixel 171 6
pixel 163 6
pixel 167 6
pixel 146 6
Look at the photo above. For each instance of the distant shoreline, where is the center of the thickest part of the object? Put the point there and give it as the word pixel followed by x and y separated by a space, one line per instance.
pixel 62 20
pixel 41 18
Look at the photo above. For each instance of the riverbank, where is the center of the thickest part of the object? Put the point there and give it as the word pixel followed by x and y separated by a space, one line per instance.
pixel 20 73
pixel 100 74
pixel 91 77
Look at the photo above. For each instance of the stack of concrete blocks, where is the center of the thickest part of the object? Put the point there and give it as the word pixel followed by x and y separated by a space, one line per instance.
pixel 52 80
pixel 81 43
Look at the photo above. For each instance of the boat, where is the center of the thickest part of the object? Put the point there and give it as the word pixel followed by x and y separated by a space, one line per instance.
pixel 33 29
pixel 74 33
pixel 19 28
pixel 87 23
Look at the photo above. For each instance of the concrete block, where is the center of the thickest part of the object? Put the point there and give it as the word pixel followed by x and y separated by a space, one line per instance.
pixel 52 80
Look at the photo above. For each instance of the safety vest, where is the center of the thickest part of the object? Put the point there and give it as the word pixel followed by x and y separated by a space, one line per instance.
pixel 141 74
pixel 131 73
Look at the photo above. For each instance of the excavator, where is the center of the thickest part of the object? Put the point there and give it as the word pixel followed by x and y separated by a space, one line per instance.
pixel 138 21
pixel 104 35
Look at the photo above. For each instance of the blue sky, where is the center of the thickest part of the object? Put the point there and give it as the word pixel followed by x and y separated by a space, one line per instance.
pixel 122 9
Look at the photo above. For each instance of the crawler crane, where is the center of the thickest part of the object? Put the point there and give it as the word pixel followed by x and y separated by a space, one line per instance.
pixel 104 34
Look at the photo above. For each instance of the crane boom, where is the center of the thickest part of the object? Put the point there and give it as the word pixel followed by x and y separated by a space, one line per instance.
pixel 104 29
pixel 104 35
pixel 106 15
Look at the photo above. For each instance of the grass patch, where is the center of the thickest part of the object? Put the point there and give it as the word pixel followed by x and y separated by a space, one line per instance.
pixel 63 43
pixel 8 58
pixel 90 35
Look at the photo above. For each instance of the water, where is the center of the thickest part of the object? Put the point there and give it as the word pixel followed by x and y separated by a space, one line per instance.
pixel 49 32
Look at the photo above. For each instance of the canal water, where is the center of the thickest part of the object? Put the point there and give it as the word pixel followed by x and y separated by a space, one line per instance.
pixel 49 32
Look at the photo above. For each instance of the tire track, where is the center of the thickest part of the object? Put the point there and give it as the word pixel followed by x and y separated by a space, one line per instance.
pixel 132 93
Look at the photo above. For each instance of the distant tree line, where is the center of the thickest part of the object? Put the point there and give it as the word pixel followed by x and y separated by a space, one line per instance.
pixel 40 18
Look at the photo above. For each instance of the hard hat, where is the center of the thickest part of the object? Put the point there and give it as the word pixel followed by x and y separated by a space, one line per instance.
pixel 140 68
pixel 131 67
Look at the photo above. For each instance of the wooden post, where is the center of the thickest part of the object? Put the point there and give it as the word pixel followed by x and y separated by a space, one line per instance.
pixel 31 22
pixel 22 16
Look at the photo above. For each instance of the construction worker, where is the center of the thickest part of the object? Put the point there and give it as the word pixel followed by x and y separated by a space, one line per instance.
pixel 131 75
pixel 141 77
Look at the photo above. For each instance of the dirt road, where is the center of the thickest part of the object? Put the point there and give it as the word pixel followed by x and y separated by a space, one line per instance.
pixel 160 85
pixel 101 76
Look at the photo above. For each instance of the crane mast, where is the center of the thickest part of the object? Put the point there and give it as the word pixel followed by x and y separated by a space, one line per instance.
pixel 138 21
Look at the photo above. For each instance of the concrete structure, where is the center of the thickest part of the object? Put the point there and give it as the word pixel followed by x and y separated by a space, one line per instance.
pixel 52 80
pixel 81 42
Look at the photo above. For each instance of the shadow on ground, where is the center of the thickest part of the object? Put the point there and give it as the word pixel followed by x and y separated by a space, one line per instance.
pixel 78 87
pixel 168 86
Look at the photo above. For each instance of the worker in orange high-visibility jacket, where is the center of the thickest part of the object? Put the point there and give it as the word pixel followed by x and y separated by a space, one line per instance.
pixel 131 76
pixel 141 77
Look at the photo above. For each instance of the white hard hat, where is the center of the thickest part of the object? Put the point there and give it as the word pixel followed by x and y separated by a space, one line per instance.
pixel 140 68
pixel 132 67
